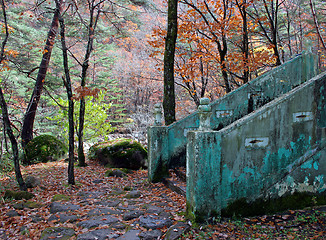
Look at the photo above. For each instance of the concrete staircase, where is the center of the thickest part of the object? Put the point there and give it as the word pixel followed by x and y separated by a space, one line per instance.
pixel 263 140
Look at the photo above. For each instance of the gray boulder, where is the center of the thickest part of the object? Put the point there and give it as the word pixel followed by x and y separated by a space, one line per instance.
pixel 100 234
pixel 97 221
pixel 176 231
pixel 154 222
pixel 61 207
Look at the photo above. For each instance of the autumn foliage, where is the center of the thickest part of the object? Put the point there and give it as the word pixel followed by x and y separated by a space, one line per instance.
pixel 223 44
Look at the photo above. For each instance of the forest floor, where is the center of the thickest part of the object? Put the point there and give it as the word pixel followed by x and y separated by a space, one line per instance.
pixel 130 207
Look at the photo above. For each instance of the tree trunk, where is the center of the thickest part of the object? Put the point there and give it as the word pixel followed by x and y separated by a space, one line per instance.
pixel 92 25
pixel 245 40
pixel 223 51
pixel 169 53
pixel 28 123
pixel 13 141
pixel 273 22
pixel 67 83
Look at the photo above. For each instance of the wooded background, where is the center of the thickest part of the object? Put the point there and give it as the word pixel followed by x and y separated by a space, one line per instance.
pixel 113 69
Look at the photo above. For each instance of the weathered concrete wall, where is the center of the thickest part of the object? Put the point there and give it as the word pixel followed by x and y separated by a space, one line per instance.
pixel 226 110
pixel 277 149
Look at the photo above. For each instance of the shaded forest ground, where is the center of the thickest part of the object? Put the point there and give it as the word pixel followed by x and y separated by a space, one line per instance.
pixel 300 224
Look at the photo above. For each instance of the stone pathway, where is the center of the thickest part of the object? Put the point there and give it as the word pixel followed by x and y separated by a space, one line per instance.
pixel 106 214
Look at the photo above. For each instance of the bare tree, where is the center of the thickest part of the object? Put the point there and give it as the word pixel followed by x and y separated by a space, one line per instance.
pixel 28 123
pixel 67 83
pixel 169 54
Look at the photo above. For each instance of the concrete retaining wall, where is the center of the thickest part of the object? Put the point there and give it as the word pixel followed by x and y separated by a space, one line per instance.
pixel 275 150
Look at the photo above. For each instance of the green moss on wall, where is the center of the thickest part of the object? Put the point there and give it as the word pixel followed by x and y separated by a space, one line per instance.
pixel 243 208
pixel 161 171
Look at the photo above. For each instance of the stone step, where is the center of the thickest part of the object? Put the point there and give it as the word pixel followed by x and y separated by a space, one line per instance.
pixel 177 181
pixel 181 173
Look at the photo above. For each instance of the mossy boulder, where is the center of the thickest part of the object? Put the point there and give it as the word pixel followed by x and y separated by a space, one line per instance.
pixel 18 195
pixel 60 197
pixel 32 182
pixel 44 148
pixel 119 153
pixel 62 233
pixel 27 204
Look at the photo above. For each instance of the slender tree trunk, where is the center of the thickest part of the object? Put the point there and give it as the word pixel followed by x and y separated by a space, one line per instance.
pixel 245 41
pixel 5 116
pixel 274 30
pixel 67 83
pixel 313 12
pixel 14 144
pixel 223 51
pixel 28 123
pixel 169 54
pixel 92 25
pixel 288 29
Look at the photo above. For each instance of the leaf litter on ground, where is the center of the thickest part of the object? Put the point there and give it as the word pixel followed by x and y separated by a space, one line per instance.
pixel 302 224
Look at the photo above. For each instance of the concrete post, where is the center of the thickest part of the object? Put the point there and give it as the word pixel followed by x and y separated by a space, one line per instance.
pixel 158 115
pixel 203 174
pixel 205 112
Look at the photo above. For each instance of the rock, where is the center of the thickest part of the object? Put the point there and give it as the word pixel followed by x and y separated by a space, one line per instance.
pixel 127 208
pixel 36 218
pixel 175 231
pixel 117 192
pixel 133 194
pixel 61 207
pixel 108 203
pixel 61 217
pixel 60 197
pixel 119 153
pixel 28 204
pixel 115 173
pixel 130 235
pixel 12 213
pixel 32 204
pixel 18 195
pixel 97 221
pixel 151 235
pixel 102 211
pixel 23 230
pixel 44 148
pixel 165 214
pixel 119 225
pixel 132 214
pixel 3 235
pixel 100 234
pixel 32 182
pixel 127 188
pixel 61 233
pixel 96 181
pixel 91 195
pixel 154 209
pixel 19 206
pixel 154 222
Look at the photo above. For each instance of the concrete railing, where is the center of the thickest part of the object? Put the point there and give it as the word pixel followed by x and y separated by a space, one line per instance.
pixel 167 144
pixel 275 150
